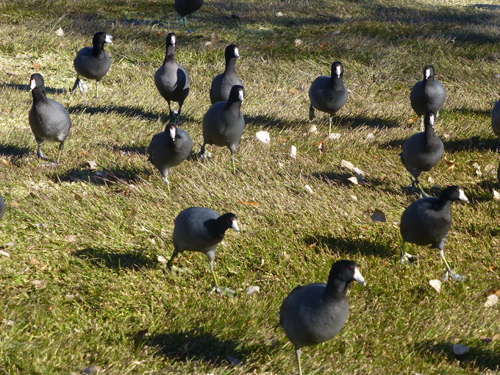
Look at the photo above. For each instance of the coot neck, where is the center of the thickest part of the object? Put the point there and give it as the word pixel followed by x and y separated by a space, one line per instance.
pixel 336 288
pixel 98 50
pixel 337 83
pixel 216 227
pixel 430 134
pixel 443 203
pixel 234 106
pixel 231 65
pixel 39 94
pixel 170 55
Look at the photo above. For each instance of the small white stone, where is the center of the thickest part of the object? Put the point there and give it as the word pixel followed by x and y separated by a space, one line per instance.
pixel 252 289
pixel 312 129
pixel 309 189
pixel 60 32
pixel 459 349
pixel 5 254
pixel 354 198
pixel 334 136
pixel 496 195
pixel 297 42
pixel 491 301
pixel 162 259
pixel 279 14
pixel 293 152
pixel 263 136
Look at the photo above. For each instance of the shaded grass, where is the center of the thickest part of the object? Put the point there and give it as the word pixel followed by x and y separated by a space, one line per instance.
pixel 83 284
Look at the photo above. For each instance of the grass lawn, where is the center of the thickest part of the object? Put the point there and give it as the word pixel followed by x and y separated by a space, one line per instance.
pixel 82 285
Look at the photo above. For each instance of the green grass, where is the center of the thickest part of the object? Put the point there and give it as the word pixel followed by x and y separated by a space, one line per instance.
pixel 83 285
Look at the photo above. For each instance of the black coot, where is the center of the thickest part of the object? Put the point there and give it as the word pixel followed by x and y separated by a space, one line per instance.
pixel 427 222
pixel 422 151
pixel 315 313
pixel 224 82
pixel 186 7
pixel 171 79
pixel 202 229
pixel 223 123
pixel 428 94
pixel 49 120
pixel 328 93
pixel 168 149
pixel 92 62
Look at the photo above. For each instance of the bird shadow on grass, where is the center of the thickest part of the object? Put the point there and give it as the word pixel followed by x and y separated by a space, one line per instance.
pixel 102 258
pixel 267 121
pixel 125 111
pixel 21 87
pixel 13 150
pixel 364 247
pixel 479 357
pixel 195 345
pixel 115 176
pixel 131 149
pixel 452 146
pixel 354 122
pixel 470 144
pixel 341 178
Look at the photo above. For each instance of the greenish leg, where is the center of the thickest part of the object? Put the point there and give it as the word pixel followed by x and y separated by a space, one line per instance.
pixel 232 163
pixel 405 257
pixel 449 272
pixel 61 146
pixel 297 354
pixel 219 289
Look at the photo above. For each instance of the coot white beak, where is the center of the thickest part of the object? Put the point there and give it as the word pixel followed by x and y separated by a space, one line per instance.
pixel 358 277
pixel 234 225
pixel 172 133
pixel 461 195
pixel 109 39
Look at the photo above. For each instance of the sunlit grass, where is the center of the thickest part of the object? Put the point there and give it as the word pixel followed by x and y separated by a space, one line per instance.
pixel 83 285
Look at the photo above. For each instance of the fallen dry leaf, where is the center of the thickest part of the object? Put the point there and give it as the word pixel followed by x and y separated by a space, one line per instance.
pixel 347 164
pixel 451 165
pixel 312 129
pixel 353 180
pixel 496 195
pixel 493 268
pixel 249 203
pixel 378 216
pixel 436 284
pixel 312 245
pixel 36 65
